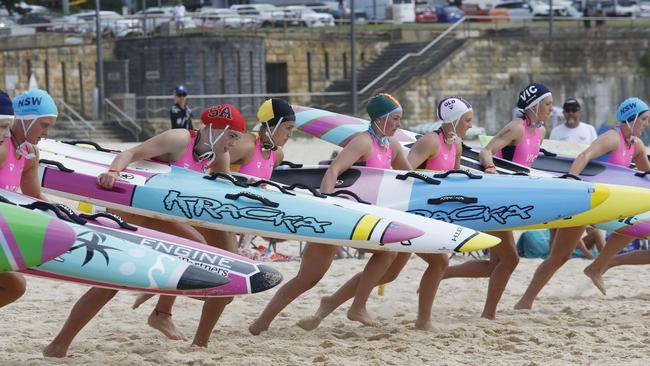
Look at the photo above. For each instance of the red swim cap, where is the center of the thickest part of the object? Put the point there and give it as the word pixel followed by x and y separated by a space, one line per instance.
pixel 218 117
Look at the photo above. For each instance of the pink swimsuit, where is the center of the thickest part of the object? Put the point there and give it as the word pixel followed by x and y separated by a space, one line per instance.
pixel 446 158
pixel 526 152
pixel 12 169
pixel 623 156
pixel 258 166
pixel 380 158
pixel 187 160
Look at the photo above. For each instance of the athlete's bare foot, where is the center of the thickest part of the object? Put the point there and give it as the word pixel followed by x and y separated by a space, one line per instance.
pixel 53 350
pixel 312 322
pixel 163 322
pixel 520 305
pixel 597 279
pixel 423 325
pixel 258 327
pixel 141 300
pixel 363 317
pixel 489 316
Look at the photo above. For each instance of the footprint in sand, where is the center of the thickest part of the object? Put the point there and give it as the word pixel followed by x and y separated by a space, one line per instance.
pixel 378 337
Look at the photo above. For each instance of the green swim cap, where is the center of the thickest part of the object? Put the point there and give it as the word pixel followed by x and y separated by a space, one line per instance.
pixel 381 105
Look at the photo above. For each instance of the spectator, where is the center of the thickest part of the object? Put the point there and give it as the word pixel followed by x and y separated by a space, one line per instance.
pixel 180 114
pixel 179 14
pixel 573 130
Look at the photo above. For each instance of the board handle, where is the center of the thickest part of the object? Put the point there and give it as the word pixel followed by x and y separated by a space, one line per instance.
pixel 111 216
pixel 4 199
pixel 641 174
pixel 416 175
pixel 227 177
pixel 46 206
pixel 458 171
pixel 520 173
pixel 304 186
pixel 91 143
pixel 345 192
pixel 260 182
pixel 70 213
pixel 572 176
pixel 452 198
pixel 547 153
pixel 290 164
pixel 265 201
pixel 57 164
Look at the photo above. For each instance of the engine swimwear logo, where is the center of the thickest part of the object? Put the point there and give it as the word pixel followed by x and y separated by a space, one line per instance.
pixel 478 212
pixel 194 207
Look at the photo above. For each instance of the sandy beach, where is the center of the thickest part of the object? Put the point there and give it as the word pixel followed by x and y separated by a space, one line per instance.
pixel 571 322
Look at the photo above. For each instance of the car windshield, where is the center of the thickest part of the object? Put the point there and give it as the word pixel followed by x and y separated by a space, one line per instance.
pixel 626 2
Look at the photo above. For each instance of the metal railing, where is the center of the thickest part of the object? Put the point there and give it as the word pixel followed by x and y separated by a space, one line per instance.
pixel 122 119
pixel 70 112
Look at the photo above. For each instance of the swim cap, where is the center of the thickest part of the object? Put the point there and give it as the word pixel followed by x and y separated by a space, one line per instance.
pixel 35 103
pixel 381 105
pixel 274 109
pixel 532 95
pixel 180 90
pixel 450 109
pixel 630 109
pixel 6 109
pixel 218 117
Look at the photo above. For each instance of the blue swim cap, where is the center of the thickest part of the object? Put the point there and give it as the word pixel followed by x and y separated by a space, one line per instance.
pixel 180 90
pixel 630 109
pixel 6 109
pixel 35 103
pixel 532 95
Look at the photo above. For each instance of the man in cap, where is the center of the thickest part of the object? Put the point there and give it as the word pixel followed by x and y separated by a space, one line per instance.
pixel 180 114
pixel 573 130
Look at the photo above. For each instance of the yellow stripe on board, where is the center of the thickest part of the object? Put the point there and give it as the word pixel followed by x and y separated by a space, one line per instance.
pixel 364 227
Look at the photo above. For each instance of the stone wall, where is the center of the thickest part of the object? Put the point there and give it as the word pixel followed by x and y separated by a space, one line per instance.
pixel 65 66
pixel 490 73
pixel 329 60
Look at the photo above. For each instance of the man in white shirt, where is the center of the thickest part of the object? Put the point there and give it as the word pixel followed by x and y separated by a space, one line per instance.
pixel 573 130
pixel 178 14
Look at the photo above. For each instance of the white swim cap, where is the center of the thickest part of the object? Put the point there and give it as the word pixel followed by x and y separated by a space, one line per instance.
pixel 450 109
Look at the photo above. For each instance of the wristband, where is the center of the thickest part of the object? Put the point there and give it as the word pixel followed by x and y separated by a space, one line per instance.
pixel 486 167
pixel 114 171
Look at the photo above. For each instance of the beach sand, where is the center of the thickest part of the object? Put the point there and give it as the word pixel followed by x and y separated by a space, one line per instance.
pixel 571 323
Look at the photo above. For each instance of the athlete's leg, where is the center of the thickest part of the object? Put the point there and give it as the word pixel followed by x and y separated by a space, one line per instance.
pixel 564 243
pixel 316 260
pixel 82 312
pixel 503 261
pixel 12 287
pixel 375 269
pixel 613 246
pixel 429 286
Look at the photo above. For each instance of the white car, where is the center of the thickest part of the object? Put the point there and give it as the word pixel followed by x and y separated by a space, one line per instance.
pixel 517 10
pixel 266 14
pixel 644 9
pixel 625 8
pixel 310 18
pixel 157 18
pixel 111 23
pixel 223 18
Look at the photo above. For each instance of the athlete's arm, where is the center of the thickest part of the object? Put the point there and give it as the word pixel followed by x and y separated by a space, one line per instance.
pixel 30 185
pixel 640 156
pixel 459 154
pixel 355 151
pixel 220 164
pixel 509 134
pixel 279 156
pixel 604 144
pixel 424 148
pixel 243 150
pixel 399 160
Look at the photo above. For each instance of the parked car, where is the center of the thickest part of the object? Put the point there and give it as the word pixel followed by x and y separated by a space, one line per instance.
pixel 111 23
pixel 42 23
pixel 308 17
pixel 156 18
pixel 517 10
pixel 644 9
pixel 266 14
pixel 449 14
pixel 425 13
pixel 223 18
pixel 625 8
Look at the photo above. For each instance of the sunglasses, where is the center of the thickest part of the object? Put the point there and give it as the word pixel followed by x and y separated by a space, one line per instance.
pixel 571 110
pixel 181 95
